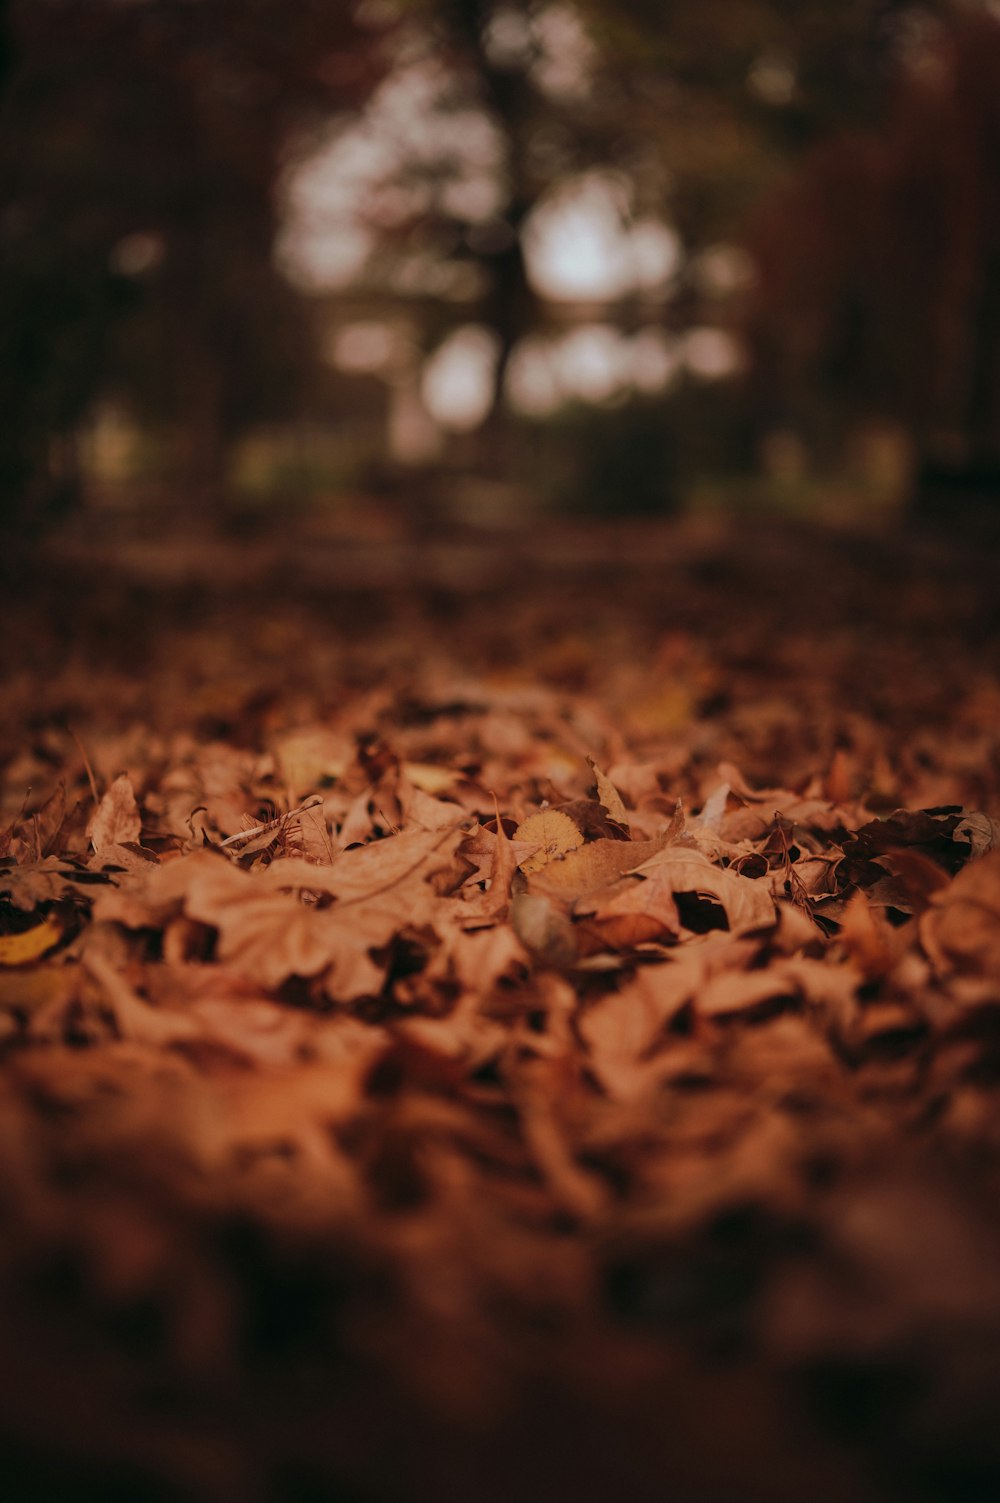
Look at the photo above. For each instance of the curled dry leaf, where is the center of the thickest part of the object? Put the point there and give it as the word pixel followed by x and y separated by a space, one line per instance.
pixel 502 867
pixel 747 903
pixel 358 874
pixel 608 795
pixel 116 820
pixel 980 830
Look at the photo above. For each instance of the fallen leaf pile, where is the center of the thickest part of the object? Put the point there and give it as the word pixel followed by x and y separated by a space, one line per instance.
pixel 515 1046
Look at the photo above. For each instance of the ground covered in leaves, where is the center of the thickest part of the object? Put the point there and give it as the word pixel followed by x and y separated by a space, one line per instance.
pixel 523 1026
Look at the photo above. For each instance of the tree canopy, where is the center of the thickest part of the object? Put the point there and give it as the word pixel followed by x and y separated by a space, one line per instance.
pixel 762 168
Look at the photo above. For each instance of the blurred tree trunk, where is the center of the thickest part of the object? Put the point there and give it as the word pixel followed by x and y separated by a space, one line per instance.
pixel 160 128
pixel 510 311
pixel 879 289
pixel 510 306
pixel 202 447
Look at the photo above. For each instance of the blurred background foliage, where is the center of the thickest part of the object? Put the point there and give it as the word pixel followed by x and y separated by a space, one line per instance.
pixel 478 256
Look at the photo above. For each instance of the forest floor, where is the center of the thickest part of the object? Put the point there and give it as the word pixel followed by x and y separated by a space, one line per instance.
pixel 508 1017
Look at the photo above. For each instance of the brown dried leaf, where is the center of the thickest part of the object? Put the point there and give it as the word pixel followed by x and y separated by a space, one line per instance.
pixel 608 795
pixel 538 1093
pixel 593 820
pixel 746 992
pixel 961 929
pixel 426 856
pixel 591 867
pixel 868 937
pixel 116 820
pixel 268 935
pixel 136 1019
pixel 619 1030
pixel 47 881
pixel 747 903
pixel 981 831
pixel 618 933
pixel 502 868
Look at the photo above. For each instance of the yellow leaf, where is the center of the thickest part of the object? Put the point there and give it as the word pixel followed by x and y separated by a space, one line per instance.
pixel 31 944
pixel 553 832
